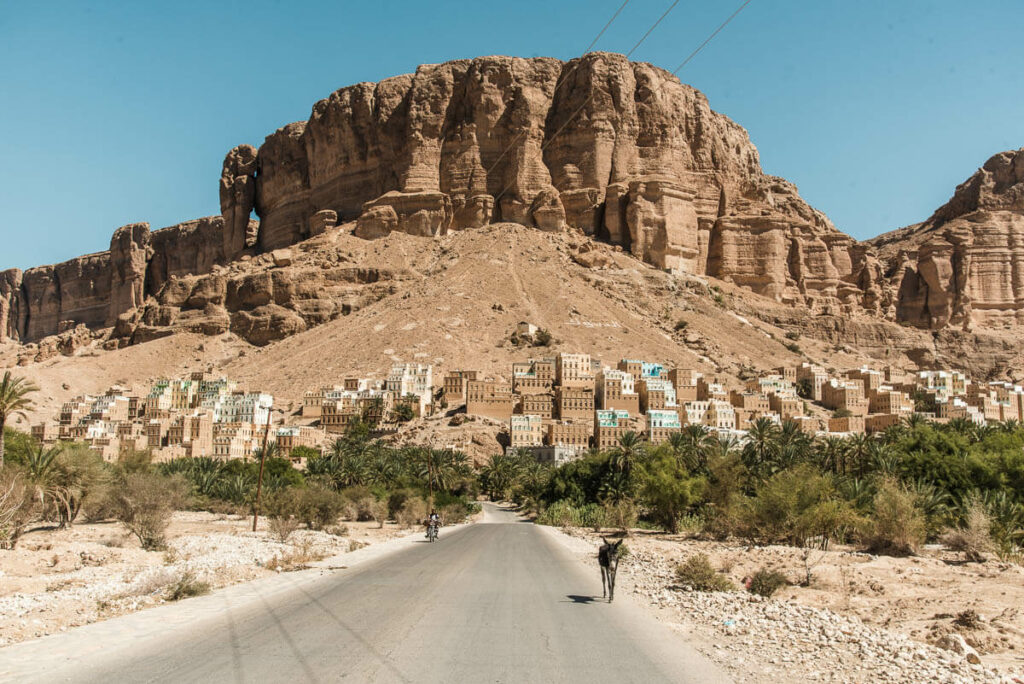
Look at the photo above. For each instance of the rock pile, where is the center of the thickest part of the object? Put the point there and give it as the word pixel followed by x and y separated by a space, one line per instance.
pixel 752 634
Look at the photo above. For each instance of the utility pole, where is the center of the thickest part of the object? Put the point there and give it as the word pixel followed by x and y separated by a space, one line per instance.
pixel 263 458
pixel 430 475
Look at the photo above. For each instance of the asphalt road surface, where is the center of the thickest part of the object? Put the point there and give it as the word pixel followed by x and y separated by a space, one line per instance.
pixel 499 601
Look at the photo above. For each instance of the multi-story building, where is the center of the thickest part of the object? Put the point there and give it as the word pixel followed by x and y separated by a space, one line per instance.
pixel 235 440
pixel 542 405
pixel 616 389
pixel 574 403
pixel 711 389
pixel 46 433
pixel 750 401
pixel 788 407
pixel 685 382
pixel 886 400
pixel 656 394
pixel 869 378
pixel 848 395
pixel 193 431
pixel 853 423
pixel 525 431
pixel 570 434
pixel 242 407
pixel 288 437
pixel 413 379
pixel 536 376
pixel 609 425
pixel 878 422
pixel 455 385
pixel 574 370
pixel 943 382
pixel 661 424
pixel 815 376
pixel 490 399
pixel 313 400
pixel 713 413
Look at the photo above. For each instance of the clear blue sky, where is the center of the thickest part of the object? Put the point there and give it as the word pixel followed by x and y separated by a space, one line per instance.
pixel 119 112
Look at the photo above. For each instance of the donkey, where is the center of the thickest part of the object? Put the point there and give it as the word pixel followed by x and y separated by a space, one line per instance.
pixel 608 559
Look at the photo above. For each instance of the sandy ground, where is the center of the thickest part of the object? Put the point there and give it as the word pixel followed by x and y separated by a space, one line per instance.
pixel 58 579
pixel 896 602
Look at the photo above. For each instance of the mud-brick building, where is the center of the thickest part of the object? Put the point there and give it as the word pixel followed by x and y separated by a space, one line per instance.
pixel 490 399
pixel 575 403
pixel 609 425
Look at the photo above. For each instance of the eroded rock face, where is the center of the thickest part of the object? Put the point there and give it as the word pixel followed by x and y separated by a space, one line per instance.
pixel 11 322
pixel 129 256
pixel 619 151
pixel 237 198
pixel 964 266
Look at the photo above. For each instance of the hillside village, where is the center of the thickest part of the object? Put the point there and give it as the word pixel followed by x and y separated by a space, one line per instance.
pixel 557 407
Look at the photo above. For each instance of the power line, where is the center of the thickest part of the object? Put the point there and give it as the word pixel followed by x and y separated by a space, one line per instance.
pixel 591 96
pixel 708 39
pixel 562 81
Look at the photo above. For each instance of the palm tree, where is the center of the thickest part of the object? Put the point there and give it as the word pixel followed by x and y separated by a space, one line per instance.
pixel 914 421
pixel 692 446
pixel 859 452
pixel 833 452
pixel 762 447
pixel 14 400
pixel 628 450
pixel 1011 425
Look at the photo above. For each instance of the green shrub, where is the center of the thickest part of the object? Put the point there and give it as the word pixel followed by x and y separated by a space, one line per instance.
pixel 681 325
pixel 897 524
pixel 620 514
pixel 766 582
pixel 318 507
pixel 412 512
pixel 565 514
pixel 697 573
pixel 542 338
pixel 144 503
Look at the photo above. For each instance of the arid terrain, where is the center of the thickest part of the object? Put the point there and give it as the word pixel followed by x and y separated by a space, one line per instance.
pixel 858 620
pixel 58 579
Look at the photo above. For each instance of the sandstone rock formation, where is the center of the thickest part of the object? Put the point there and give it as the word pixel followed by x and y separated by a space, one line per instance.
pixel 964 266
pixel 618 151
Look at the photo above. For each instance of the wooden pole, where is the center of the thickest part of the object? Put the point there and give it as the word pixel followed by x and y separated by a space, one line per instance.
pixel 263 458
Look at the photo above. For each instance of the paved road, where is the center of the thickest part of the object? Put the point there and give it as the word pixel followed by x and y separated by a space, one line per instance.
pixel 495 602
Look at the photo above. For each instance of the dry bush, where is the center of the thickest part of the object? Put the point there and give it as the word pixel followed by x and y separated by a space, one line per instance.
pixel 144 504
pixel 186 586
pixel 281 526
pixel 374 510
pixel 898 524
pixel 452 514
pixel 766 582
pixel 697 573
pixel 151 582
pixel 413 512
pixel 298 558
pixel 621 514
pixel 337 530
pixel 18 507
pixel 974 538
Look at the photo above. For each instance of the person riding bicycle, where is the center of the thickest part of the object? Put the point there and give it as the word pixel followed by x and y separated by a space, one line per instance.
pixel 434 520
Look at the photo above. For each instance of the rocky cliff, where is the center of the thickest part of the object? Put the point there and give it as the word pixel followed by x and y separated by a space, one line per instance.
pixel 618 151
pixel 964 266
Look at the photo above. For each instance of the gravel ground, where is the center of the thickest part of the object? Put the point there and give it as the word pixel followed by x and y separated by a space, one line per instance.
pixel 767 640
pixel 100 582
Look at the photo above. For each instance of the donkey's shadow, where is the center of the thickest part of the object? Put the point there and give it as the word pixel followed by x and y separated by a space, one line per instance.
pixel 575 598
